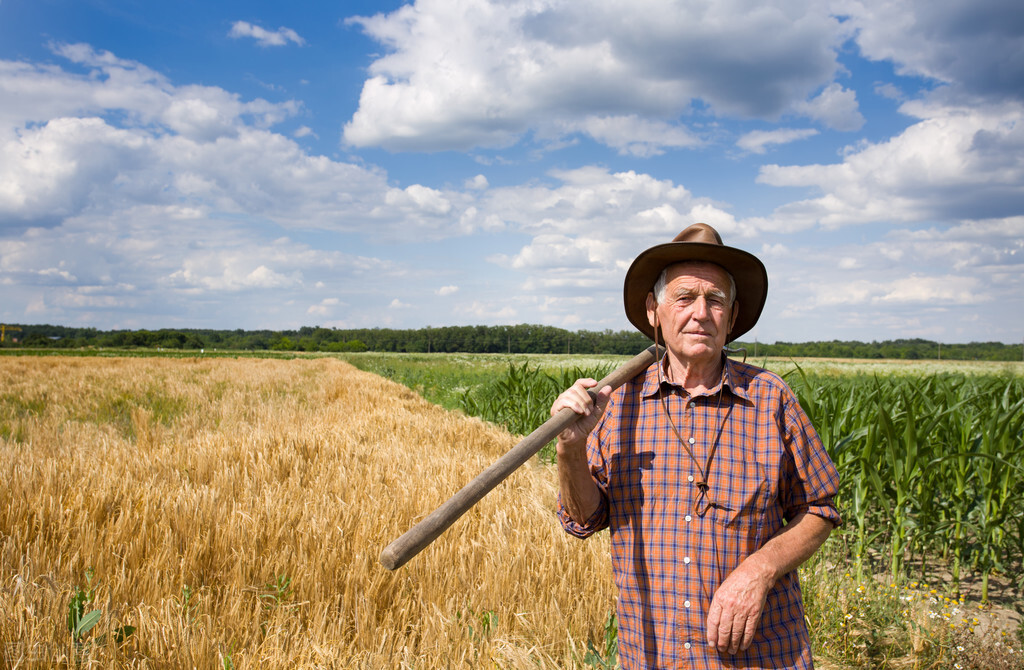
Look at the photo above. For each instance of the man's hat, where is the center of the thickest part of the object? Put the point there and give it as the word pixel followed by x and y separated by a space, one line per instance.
pixel 699 242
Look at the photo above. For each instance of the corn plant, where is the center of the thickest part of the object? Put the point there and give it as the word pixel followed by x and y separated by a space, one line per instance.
pixel 79 621
pixel 520 400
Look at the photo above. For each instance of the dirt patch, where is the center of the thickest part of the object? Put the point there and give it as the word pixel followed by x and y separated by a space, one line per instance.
pixel 1000 619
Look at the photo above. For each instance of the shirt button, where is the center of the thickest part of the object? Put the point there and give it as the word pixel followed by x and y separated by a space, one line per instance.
pixel 691 440
pixel 686 604
pixel 686 646
pixel 686 559
pixel 690 478
pixel 687 518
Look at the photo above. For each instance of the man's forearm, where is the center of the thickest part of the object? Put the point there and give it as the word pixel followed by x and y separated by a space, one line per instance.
pixel 579 492
pixel 792 545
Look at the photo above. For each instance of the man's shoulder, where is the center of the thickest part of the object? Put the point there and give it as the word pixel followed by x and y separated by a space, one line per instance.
pixel 755 381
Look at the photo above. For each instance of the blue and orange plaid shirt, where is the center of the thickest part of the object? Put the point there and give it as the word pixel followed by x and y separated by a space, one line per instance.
pixel 673 542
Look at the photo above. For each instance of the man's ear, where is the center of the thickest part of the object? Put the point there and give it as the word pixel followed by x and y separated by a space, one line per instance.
pixel 652 310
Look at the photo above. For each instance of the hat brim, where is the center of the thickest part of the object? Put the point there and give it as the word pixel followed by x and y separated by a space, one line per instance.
pixel 746 269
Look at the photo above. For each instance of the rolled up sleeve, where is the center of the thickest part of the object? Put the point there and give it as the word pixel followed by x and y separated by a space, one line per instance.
pixel 813 481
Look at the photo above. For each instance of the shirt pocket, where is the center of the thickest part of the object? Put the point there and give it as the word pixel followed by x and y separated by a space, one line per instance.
pixel 740 493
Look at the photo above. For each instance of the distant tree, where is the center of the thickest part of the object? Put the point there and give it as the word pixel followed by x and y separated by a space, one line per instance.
pixel 283 343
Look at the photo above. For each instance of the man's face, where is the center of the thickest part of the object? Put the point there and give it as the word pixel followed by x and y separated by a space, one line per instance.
pixel 695 315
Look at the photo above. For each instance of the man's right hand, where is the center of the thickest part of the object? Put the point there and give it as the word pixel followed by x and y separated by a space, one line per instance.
pixel 580 398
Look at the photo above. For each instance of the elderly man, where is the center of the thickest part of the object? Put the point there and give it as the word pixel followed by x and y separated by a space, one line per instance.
pixel 707 472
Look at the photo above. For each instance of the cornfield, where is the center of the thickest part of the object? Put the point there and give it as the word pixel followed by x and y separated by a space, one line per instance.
pixel 229 514
pixel 931 467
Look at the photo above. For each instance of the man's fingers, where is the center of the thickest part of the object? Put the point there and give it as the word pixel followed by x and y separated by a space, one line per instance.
pixel 730 627
pixel 576 397
pixel 714 618
pixel 730 632
pixel 748 633
pixel 738 633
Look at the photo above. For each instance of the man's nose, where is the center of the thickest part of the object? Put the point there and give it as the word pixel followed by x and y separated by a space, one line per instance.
pixel 700 307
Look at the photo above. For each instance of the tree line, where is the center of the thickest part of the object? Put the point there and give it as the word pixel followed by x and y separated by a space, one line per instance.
pixel 518 339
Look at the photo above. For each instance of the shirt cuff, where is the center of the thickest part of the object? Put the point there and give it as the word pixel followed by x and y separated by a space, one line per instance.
pixel 597 521
pixel 826 510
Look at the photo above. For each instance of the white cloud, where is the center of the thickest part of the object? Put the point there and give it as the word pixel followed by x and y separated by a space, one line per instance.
pixel 200 148
pixel 974 46
pixel 489 313
pixel 477 183
pixel 955 163
pixel 265 38
pixel 835 106
pixel 889 90
pixel 635 136
pixel 482 73
pixel 324 308
pixel 940 291
pixel 757 141
pixel 447 290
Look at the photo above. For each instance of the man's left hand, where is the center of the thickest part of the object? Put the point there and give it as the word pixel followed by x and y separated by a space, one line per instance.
pixel 736 607
pixel 738 603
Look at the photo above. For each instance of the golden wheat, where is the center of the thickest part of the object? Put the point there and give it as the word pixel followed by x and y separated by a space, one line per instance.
pixel 232 511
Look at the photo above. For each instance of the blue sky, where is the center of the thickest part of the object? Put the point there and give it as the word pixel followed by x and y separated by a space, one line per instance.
pixel 356 164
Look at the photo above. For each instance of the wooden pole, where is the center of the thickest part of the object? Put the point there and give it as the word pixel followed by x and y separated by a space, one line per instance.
pixel 398 553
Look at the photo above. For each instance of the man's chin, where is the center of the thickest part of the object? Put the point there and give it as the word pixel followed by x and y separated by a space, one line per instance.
pixel 694 350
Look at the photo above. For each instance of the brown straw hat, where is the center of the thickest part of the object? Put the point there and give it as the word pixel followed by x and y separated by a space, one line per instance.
pixel 699 242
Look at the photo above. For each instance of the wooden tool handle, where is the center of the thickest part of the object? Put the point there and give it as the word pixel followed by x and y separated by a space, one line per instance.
pixel 398 553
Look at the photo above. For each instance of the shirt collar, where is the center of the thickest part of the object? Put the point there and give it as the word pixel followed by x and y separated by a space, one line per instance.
pixel 732 379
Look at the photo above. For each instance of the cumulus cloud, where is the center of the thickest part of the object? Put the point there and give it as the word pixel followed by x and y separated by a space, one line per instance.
pixel 973 45
pixel 200 147
pixel 954 163
pixel 265 38
pixel 477 183
pixel 324 308
pixel 836 107
pixel 634 136
pixel 145 263
pixel 757 141
pixel 482 73
pixel 586 228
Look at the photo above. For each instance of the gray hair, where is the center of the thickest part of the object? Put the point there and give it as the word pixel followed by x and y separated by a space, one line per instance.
pixel 659 286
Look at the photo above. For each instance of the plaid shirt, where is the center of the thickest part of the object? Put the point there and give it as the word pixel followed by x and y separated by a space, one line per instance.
pixel 671 544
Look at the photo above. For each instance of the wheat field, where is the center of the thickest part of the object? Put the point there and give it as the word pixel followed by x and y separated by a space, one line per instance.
pixel 230 513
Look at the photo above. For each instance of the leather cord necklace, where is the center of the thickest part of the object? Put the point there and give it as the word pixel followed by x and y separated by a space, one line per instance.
pixel 705 470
